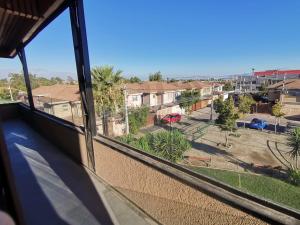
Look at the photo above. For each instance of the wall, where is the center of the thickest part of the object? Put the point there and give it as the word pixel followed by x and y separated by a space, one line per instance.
pixel 172 109
pixel 153 185
pixel 146 99
pixel 134 100
pixel 62 110
pixel 168 97
pixel 200 105
pixel 166 199
pixel 58 131
pixel 153 99
pixel 206 91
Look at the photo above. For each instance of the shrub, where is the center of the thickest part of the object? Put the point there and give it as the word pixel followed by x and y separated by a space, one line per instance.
pixel 294 177
pixel 168 145
pixel 137 118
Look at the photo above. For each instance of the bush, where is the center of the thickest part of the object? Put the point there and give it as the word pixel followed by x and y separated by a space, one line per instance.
pixel 294 177
pixel 168 145
pixel 137 118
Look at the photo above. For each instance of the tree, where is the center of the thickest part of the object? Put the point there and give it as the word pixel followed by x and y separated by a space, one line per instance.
pixel 228 86
pixel 294 143
pixel 263 89
pixel 245 103
pixel 188 98
pixel 108 94
pixel 134 79
pixel 156 76
pixel 227 116
pixel 277 112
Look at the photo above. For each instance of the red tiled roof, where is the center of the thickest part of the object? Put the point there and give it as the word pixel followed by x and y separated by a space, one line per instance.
pixel 61 92
pixel 277 72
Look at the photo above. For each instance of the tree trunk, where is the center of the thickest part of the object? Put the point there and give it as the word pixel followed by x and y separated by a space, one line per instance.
pixel 296 161
pixel 226 138
pixel 276 126
pixel 104 124
pixel 244 124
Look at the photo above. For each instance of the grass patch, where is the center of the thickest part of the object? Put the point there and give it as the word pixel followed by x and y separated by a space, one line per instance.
pixel 263 186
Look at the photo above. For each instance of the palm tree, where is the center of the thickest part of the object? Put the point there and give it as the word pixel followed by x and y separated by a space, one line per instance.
pixel 294 143
pixel 107 89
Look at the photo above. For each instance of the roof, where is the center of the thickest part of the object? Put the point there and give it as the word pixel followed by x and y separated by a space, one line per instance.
pixel 58 92
pixel 288 84
pixel 277 72
pixel 22 20
pixel 150 86
pixel 192 85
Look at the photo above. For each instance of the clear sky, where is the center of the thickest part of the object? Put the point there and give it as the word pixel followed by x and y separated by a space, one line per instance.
pixel 179 38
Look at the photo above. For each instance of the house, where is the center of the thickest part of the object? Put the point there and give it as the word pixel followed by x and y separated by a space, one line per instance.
pixel 151 93
pixel 205 88
pixel 60 100
pixel 217 87
pixel 288 92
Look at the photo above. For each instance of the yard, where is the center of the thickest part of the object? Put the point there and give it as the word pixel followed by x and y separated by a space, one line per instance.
pixel 262 186
pixel 248 147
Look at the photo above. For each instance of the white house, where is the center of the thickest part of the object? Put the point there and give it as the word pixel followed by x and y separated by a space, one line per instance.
pixel 134 100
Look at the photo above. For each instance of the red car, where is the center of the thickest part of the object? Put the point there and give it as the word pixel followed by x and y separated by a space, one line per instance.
pixel 171 118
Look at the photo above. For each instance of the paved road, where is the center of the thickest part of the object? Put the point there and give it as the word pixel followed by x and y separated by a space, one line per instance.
pixel 200 118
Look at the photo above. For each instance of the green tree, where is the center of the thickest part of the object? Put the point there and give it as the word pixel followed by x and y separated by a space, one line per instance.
pixel 107 89
pixel 188 98
pixel 134 79
pixel 228 87
pixel 227 116
pixel 277 112
pixel 245 103
pixel 156 76
pixel 294 143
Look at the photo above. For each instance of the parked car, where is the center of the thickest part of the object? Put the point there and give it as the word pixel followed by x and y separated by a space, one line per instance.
pixel 258 124
pixel 171 118
pixel 291 125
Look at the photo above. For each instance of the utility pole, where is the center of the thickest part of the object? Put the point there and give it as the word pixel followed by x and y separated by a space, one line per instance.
pixel 126 109
pixel 212 103
pixel 9 88
pixel 282 90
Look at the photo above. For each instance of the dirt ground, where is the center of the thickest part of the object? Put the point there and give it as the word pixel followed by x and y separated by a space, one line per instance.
pixel 251 147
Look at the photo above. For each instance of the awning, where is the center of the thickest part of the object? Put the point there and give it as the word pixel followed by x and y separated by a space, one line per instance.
pixel 22 20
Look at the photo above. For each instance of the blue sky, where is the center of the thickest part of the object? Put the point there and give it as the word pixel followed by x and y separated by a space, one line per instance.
pixel 179 38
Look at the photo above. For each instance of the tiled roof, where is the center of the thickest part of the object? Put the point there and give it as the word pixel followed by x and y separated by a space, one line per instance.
pixel 150 86
pixel 192 85
pixel 58 92
pixel 277 72
pixel 288 84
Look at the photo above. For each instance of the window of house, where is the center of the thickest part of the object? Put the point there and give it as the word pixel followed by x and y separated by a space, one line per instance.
pixel 134 98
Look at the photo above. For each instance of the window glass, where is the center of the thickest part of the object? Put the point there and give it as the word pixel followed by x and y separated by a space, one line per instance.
pixel 212 134
pixel 54 82
pixel 12 83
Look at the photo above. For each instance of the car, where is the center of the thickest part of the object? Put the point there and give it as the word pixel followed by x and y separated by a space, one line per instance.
pixel 171 118
pixel 291 125
pixel 258 124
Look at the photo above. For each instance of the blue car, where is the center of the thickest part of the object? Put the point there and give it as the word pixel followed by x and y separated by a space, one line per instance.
pixel 258 124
